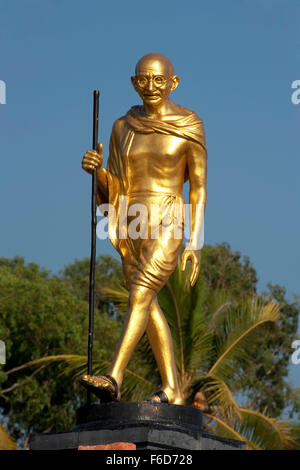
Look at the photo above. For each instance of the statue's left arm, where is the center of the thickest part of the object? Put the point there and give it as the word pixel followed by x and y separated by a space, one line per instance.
pixel 196 163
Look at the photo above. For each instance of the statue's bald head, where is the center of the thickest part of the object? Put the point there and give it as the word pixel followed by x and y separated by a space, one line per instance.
pixel 155 63
pixel 154 80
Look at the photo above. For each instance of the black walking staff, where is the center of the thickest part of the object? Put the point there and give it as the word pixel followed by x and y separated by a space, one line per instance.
pixel 93 239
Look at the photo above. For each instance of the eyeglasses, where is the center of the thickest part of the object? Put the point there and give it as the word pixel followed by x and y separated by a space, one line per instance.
pixel 144 80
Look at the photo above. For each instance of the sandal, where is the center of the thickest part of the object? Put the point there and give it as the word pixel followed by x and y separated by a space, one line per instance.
pixel 103 386
pixel 159 397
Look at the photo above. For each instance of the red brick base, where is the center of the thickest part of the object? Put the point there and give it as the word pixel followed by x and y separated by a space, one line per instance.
pixel 112 446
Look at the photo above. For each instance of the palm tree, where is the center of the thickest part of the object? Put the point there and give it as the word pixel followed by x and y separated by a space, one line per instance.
pixel 211 334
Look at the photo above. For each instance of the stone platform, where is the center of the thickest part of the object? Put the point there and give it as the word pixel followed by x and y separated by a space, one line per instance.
pixel 156 426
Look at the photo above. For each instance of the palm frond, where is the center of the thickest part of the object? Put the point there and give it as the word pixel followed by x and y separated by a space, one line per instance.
pixel 233 336
pixel 265 432
pixel 219 309
pixel 208 312
pixel 182 308
pixel 202 350
pixel 259 431
pixel 197 343
pixel 223 429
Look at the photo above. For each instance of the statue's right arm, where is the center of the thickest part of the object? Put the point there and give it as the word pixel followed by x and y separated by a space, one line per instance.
pixel 94 159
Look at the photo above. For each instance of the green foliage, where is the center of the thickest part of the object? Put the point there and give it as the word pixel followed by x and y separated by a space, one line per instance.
pixel 224 269
pixel 41 315
pixel 108 272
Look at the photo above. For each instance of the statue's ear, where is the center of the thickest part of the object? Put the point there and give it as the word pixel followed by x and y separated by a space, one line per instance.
pixel 133 81
pixel 175 82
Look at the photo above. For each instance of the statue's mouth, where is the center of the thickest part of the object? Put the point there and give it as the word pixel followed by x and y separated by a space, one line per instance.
pixel 151 95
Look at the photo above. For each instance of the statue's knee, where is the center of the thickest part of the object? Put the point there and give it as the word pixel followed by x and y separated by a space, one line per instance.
pixel 141 296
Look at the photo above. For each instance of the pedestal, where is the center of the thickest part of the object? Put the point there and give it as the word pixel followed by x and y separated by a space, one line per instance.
pixel 148 425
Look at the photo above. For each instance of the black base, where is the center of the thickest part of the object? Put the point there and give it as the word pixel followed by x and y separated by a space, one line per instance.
pixel 148 425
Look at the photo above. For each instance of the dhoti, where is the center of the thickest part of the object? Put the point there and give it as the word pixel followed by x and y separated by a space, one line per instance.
pixel 149 261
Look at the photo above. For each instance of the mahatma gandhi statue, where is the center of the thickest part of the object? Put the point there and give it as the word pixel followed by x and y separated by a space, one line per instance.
pixel 153 150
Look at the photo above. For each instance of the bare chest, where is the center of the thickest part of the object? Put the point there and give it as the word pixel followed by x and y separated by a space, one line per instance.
pixel 160 150
pixel 156 162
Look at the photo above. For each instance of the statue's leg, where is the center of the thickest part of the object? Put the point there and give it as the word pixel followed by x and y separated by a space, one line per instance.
pixel 160 339
pixel 134 327
pixel 147 264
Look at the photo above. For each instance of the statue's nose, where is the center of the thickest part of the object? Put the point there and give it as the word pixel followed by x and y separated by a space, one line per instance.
pixel 150 85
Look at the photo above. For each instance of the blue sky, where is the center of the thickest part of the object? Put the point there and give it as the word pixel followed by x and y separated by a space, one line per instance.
pixel 236 59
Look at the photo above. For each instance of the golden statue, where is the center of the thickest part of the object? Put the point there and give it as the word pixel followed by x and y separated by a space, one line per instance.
pixel 153 150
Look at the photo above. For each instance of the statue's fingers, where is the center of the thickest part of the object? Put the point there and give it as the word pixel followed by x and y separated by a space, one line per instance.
pixel 87 167
pixel 97 156
pixel 93 157
pixel 92 160
pixel 183 262
pixel 96 161
pixel 91 153
pixel 86 162
pixel 194 275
